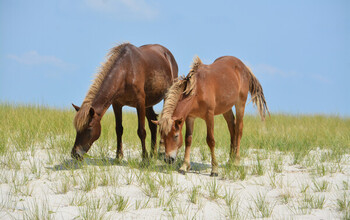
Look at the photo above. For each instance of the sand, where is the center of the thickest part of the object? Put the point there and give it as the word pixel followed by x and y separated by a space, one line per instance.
pixel 37 188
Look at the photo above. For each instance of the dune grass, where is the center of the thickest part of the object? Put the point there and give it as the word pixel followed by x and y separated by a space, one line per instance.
pixel 24 126
pixel 35 145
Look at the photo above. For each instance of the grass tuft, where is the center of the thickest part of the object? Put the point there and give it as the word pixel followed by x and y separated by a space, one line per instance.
pixel 37 210
pixel 321 186
pixel 343 205
pixel 118 203
pixel 194 194
pixel 214 189
pixel 262 208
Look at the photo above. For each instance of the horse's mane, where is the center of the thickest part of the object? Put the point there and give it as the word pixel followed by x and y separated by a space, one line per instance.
pixel 182 87
pixel 81 118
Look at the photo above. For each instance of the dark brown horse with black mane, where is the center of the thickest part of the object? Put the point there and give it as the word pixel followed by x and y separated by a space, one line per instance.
pixel 206 91
pixel 134 76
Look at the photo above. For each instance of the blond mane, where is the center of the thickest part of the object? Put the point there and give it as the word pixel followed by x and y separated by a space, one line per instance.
pixel 195 64
pixel 81 118
pixel 182 87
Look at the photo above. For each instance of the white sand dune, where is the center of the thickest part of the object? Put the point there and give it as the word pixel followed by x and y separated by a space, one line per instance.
pixel 46 186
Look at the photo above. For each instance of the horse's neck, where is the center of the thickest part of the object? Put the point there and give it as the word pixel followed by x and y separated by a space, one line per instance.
pixel 101 108
pixel 104 99
pixel 184 107
pixel 106 93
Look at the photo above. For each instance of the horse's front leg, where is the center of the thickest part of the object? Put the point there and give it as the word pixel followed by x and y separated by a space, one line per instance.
pixel 188 141
pixel 119 129
pixel 151 115
pixel 141 131
pixel 211 142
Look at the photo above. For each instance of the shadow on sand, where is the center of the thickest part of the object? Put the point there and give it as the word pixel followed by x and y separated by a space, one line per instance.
pixel 155 165
pixel 72 164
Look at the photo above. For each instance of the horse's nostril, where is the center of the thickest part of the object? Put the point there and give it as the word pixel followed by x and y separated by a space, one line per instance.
pixel 75 155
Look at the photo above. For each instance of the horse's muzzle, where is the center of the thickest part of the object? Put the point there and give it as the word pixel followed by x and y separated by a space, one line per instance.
pixel 75 155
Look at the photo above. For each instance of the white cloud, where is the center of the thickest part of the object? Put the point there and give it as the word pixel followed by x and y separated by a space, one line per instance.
pixel 322 79
pixel 276 72
pixel 34 58
pixel 124 8
pixel 271 70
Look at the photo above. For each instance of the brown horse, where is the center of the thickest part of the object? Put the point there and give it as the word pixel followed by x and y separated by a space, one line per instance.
pixel 134 76
pixel 206 91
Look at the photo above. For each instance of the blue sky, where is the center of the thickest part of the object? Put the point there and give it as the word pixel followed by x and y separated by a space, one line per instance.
pixel 299 50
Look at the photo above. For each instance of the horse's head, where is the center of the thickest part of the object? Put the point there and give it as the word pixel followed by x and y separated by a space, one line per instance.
pixel 86 134
pixel 172 140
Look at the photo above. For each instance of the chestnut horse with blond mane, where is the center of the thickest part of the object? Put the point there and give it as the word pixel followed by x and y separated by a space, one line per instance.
pixel 134 76
pixel 206 91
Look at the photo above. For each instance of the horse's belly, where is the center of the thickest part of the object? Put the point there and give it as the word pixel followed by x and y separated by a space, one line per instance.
pixel 224 106
pixel 155 88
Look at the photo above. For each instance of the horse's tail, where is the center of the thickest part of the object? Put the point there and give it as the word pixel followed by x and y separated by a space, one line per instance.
pixel 257 95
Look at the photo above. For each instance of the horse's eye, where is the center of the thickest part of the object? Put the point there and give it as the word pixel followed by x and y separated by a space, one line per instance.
pixel 176 136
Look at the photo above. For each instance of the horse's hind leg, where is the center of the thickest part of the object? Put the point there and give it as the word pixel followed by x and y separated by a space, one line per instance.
pixel 238 130
pixel 151 115
pixel 119 129
pixel 230 120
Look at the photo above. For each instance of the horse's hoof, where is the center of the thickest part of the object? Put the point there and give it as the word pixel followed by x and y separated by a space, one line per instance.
pixel 213 174
pixel 182 172
pixel 117 160
pixel 119 156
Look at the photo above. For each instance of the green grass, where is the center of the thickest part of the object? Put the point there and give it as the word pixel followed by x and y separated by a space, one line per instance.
pixel 149 186
pixel 38 211
pixel 214 189
pixel 194 194
pixel 78 199
pixel 313 201
pixel 286 196
pixel 23 126
pixel 321 186
pixel 93 209
pixel 232 205
pixel 262 208
pixel 118 203
pixel 343 205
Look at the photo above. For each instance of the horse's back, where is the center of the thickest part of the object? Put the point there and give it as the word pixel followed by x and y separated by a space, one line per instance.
pixel 159 55
pixel 229 61
pixel 160 70
pixel 231 66
pixel 225 83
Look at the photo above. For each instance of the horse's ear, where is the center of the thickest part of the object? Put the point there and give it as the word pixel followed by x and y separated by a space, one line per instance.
pixel 92 112
pixel 155 122
pixel 77 108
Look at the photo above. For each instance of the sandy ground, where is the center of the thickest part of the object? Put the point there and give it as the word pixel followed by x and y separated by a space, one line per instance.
pixel 44 187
